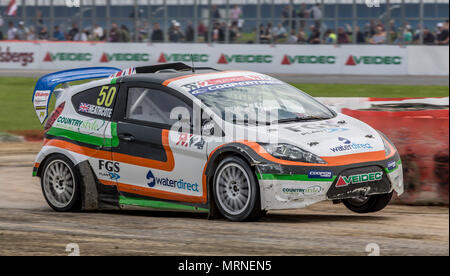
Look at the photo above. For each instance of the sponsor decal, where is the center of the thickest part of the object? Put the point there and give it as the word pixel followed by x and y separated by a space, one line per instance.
pixel 189 140
pixel 200 87
pixel 183 58
pixel 349 145
pixel 95 110
pixel 24 58
pixel 313 190
pixel 88 126
pixel 320 174
pixel 317 127
pixel 109 169
pixel 124 57
pixel 225 59
pixel 358 178
pixel 179 184
pixel 392 165
pixel 373 60
pixel 49 57
pixel 288 60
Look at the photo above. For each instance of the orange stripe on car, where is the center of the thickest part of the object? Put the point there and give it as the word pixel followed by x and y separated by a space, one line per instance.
pixel 132 189
pixel 331 160
pixel 119 157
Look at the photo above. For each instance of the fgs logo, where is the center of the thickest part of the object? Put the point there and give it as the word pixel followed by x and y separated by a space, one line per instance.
pixel 110 166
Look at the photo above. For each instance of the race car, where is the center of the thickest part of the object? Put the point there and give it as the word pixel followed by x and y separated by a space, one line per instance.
pixel 233 144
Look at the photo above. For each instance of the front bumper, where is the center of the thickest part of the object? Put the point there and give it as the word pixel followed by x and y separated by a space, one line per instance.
pixel 292 187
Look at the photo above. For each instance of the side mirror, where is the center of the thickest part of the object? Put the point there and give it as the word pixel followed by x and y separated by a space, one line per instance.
pixel 208 127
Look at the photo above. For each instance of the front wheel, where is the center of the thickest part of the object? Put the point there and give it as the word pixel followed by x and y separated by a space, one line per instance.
pixel 60 184
pixel 369 204
pixel 236 190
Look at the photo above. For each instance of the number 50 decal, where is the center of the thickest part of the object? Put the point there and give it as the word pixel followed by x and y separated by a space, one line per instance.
pixel 106 96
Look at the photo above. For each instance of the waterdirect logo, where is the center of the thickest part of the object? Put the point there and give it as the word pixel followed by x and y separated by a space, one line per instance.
pixel 163 58
pixel 49 57
pixel 349 145
pixel 225 59
pixel 165 181
pixel 358 178
pixel 288 60
pixel 373 60
pixel 124 57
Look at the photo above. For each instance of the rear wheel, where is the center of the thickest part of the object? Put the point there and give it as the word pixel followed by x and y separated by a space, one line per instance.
pixel 60 185
pixel 369 204
pixel 236 190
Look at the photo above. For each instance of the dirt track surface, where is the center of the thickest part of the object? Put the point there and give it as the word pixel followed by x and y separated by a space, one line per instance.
pixel 29 227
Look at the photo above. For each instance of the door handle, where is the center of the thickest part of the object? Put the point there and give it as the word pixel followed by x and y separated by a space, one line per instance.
pixel 126 137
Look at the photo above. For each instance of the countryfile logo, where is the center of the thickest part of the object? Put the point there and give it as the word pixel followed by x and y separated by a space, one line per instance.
pixel 288 60
pixel 359 178
pixel 225 59
pixel 373 60
pixel 165 181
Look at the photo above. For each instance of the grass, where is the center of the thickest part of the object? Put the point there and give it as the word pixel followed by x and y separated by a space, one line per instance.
pixel 17 112
pixel 373 90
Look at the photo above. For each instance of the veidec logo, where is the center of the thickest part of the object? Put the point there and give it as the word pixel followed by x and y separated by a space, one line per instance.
pixel 124 57
pixel 225 59
pixel 288 60
pixel 49 57
pixel 358 178
pixel 373 60
pixel 24 58
pixel 183 58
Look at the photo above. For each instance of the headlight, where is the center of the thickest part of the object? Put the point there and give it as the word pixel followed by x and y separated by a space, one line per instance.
pixel 292 153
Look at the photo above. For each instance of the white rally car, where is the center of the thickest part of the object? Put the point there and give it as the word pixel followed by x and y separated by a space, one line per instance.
pixel 231 143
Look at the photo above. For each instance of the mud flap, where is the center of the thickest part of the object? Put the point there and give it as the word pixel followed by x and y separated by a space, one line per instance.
pixel 96 196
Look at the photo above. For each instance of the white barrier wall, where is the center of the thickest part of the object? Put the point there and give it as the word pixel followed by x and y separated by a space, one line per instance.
pixel 293 59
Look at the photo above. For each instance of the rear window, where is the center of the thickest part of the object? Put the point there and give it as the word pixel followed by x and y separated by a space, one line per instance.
pixel 96 102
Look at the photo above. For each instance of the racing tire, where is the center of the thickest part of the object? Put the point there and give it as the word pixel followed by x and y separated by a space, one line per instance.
pixel 60 183
pixel 236 190
pixel 374 203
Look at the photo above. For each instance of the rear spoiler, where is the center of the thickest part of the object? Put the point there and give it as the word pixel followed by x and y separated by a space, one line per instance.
pixel 46 84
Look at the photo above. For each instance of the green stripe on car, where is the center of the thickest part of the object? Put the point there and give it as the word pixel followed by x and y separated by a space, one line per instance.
pixel 293 177
pixel 84 138
pixel 158 204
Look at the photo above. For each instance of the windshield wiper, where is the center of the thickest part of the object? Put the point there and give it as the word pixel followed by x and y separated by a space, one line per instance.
pixel 252 122
pixel 302 119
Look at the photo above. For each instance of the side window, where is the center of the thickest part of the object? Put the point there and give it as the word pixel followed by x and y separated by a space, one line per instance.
pixel 96 102
pixel 155 106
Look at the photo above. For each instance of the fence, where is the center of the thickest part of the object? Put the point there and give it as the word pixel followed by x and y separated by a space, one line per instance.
pixel 234 21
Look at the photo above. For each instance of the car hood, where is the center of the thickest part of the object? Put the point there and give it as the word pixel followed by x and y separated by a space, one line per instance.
pixel 339 136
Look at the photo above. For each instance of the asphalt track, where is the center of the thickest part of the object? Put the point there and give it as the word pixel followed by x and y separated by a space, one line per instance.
pixel 29 227
pixel 296 78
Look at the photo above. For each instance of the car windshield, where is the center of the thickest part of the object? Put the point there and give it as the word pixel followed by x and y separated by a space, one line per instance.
pixel 264 104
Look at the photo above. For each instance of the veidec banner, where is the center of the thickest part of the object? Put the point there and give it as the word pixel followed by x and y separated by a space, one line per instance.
pixel 422 139
pixel 282 59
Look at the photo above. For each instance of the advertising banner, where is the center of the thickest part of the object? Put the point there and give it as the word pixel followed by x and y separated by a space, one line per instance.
pixel 292 59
